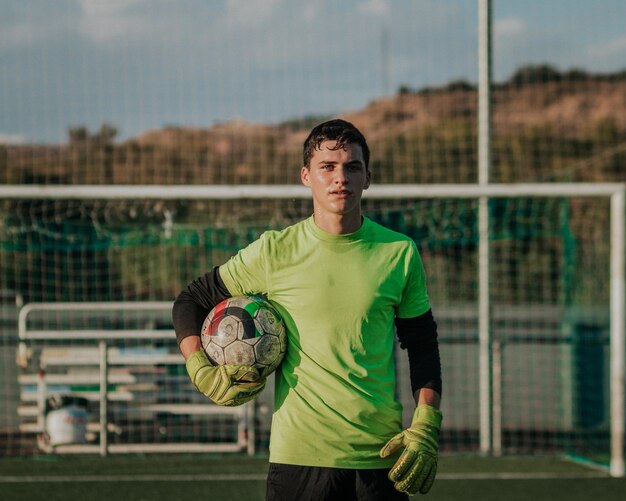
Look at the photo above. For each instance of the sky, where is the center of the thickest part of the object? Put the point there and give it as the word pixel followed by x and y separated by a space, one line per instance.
pixel 145 64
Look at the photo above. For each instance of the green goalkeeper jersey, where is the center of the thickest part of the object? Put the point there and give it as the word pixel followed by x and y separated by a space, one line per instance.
pixel 335 402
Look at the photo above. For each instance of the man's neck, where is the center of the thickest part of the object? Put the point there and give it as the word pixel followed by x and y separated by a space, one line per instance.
pixel 338 224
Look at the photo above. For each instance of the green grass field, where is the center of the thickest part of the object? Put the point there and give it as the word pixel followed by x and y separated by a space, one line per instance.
pixel 229 477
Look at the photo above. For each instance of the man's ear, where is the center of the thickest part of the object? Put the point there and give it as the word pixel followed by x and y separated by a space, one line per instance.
pixel 368 179
pixel 304 175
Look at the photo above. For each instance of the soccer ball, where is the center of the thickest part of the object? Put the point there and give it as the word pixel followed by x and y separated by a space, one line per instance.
pixel 245 330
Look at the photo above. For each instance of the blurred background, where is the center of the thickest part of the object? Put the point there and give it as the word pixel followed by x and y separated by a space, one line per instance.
pixel 138 92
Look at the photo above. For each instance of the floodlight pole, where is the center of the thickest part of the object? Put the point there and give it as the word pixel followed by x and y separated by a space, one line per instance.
pixel 488 385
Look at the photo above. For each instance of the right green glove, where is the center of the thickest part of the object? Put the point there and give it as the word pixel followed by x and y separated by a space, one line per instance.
pixel 228 385
pixel 416 467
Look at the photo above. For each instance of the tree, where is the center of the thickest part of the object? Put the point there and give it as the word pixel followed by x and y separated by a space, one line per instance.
pixel 533 74
pixel 80 135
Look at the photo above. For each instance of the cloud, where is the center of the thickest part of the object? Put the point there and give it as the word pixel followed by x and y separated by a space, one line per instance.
pixel 615 47
pixel 108 8
pixel 33 24
pixel 114 20
pixel 251 12
pixel 12 139
pixel 509 27
pixel 23 34
pixel 376 8
pixel 605 57
pixel 309 12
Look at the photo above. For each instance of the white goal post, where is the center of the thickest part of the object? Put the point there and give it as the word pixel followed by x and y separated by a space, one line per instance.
pixel 615 192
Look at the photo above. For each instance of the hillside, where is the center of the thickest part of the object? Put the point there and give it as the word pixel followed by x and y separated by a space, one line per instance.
pixel 546 126
pixel 558 128
pixel 570 108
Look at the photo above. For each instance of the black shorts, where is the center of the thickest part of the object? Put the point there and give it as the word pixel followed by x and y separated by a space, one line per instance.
pixel 286 482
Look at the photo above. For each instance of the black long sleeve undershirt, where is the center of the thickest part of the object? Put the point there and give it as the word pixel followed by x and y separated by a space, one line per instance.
pixel 418 335
pixel 195 302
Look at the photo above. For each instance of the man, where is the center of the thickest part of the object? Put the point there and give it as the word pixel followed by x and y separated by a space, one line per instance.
pixel 344 286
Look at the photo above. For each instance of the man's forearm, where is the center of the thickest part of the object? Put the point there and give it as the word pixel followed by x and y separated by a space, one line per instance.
pixel 189 345
pixel 427 396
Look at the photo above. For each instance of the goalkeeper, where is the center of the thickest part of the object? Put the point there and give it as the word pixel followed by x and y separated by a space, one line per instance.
pixel 345 286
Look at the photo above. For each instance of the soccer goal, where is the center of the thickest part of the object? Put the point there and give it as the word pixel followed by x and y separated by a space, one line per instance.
pixel 534 366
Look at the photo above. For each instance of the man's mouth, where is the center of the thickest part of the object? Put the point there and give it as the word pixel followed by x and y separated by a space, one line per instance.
pixel 341 193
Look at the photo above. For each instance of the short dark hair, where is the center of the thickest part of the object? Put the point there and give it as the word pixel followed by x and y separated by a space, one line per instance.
pixel 338 130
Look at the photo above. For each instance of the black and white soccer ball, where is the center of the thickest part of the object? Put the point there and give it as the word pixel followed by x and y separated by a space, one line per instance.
pixel 245 330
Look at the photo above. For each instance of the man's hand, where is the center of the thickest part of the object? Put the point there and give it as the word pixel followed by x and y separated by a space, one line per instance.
pixel 416 467
pixel 228 385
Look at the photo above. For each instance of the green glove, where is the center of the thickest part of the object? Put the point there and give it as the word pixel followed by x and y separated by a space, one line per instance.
pixel 416 467
pixel 228 385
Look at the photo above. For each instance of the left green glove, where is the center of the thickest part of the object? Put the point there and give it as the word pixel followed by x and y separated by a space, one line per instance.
pixel 416 467
pixel 228 385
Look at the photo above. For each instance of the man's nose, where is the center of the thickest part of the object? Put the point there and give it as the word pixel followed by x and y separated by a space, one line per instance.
pixel 341 175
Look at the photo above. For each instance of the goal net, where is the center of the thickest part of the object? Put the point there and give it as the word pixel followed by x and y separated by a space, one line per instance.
pixel 109 269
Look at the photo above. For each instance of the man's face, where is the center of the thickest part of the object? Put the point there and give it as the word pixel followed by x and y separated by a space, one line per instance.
pixel 337 178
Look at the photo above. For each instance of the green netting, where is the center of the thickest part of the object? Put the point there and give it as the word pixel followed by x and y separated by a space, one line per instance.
pixel 543 250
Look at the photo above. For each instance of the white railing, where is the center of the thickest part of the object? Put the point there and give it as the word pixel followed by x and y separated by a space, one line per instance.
pixel 103 359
